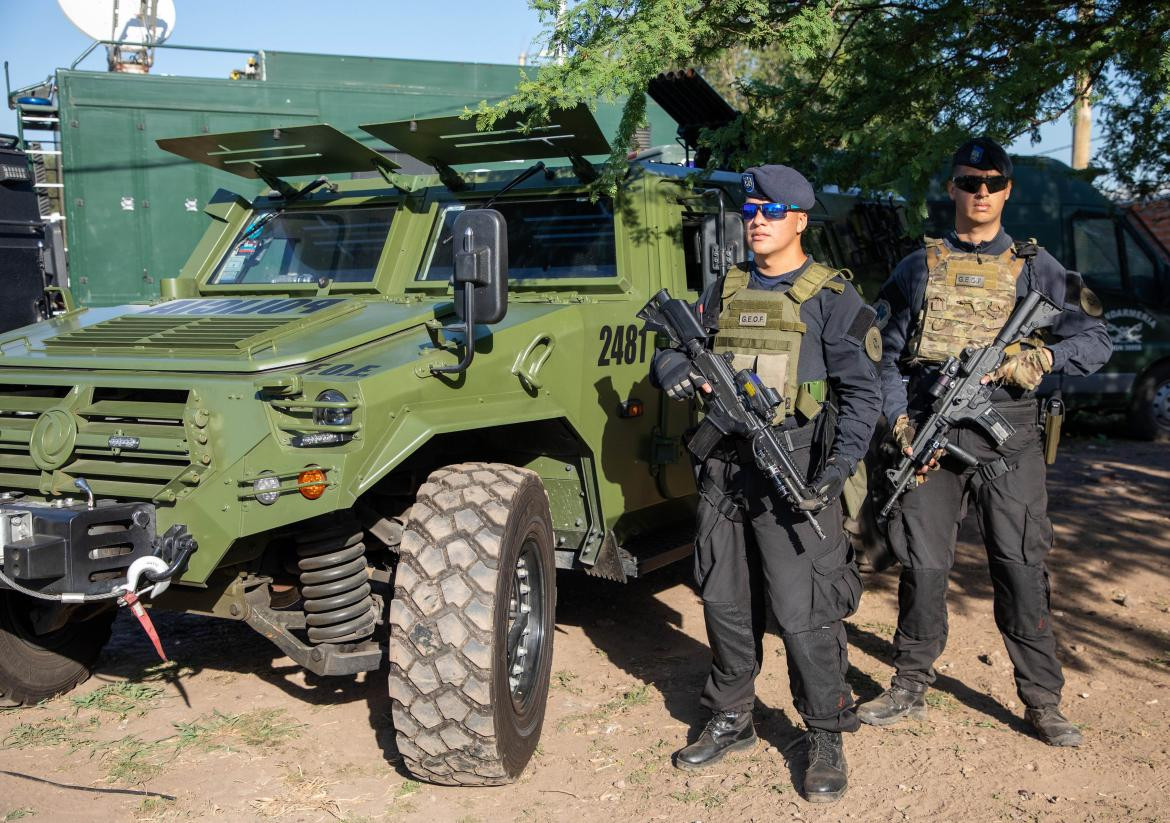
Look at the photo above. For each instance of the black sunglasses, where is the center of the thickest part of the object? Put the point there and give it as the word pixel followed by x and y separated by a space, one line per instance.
pixel 772 211
pixel 971 183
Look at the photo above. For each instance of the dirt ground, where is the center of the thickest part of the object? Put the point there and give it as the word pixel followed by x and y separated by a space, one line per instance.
pixel 234 730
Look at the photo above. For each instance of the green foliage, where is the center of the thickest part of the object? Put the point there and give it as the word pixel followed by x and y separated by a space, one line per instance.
pixel 871 93
pixel 122 698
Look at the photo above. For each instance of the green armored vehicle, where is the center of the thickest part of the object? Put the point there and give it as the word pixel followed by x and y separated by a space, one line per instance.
pixel 367 402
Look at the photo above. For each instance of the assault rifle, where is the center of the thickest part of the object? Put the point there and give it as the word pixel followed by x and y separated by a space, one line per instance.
pixel 960 396
pixel 739 403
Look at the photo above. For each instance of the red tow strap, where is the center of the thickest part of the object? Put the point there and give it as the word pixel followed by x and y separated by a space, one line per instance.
pixel 131 599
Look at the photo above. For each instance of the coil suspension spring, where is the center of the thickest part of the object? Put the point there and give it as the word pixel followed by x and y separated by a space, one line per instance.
pixel 335 585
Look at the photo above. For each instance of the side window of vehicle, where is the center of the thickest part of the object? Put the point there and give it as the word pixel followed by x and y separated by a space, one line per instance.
pixel 547 238
pixel 1097 257
pixel 1143 277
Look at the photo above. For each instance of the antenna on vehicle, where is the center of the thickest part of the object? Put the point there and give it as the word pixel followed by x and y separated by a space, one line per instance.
pixel 135 27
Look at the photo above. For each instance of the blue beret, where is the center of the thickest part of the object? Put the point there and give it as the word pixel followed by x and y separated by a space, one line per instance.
pixel 984 154
pixel 779 184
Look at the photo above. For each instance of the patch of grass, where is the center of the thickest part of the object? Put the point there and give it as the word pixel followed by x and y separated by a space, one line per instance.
pixel 408 788
pixel 153 806
pixel 708 799
pixel 261 728
pixel 941 701
pixel 122 699
pixel 18 814
pixel 564 679
pixel 1159 660
pixel 53 731
pixel 133 760
pixel 633 696
pixel 886 629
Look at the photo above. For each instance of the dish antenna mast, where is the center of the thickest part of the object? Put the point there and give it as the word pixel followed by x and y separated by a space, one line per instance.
pixel 131 28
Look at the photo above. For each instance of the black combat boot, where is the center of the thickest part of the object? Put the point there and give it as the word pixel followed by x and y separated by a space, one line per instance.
pixel 827 775
pixel 892 705
pixel 1053 727
pixel 725 732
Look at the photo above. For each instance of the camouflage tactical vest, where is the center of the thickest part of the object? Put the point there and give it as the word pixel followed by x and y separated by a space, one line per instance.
pixel 763 330
pixel 968 299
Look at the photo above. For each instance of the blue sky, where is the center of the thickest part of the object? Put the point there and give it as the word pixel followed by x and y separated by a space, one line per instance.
pixel 36 38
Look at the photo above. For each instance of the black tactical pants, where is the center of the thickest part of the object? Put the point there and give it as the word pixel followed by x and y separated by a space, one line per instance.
pixel 752 550
pixel 1011 503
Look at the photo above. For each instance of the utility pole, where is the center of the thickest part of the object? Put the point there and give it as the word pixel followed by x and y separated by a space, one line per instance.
pixel 1082 111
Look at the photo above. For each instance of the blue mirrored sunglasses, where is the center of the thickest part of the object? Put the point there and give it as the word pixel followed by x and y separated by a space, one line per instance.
pixel 772 211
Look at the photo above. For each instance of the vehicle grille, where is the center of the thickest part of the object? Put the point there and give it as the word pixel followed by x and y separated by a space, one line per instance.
pixel 149 458
pixel 205 334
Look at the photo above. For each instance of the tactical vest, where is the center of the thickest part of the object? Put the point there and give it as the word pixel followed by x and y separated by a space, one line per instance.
pixel 967 300
pixel 763 330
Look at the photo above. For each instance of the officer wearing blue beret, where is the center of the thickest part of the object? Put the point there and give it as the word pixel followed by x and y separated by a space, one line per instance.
pixel 803 329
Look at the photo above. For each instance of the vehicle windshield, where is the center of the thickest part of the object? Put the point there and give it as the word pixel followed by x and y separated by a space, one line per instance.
pixel 550 237
pixel 305 245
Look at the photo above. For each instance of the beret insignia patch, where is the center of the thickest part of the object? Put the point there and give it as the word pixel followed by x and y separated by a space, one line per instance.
pixel 749 183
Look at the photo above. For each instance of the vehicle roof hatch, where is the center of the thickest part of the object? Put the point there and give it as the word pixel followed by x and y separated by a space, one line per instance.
pixel 273 154
pixel 693 104
pixel 444 142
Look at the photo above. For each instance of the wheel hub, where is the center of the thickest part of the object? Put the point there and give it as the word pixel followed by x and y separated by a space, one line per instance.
pixel 1161 406
pixel 525 625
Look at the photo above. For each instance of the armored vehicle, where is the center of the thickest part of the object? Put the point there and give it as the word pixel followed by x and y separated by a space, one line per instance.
pixel 369 401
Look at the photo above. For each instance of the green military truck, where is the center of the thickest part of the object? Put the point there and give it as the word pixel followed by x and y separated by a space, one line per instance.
pixel 316 433
pixel 304 435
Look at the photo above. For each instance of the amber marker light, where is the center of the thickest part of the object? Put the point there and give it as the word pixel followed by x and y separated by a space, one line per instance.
pixel 312 483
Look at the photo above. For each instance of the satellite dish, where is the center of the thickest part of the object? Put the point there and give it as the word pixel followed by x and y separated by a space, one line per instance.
pixel 122 20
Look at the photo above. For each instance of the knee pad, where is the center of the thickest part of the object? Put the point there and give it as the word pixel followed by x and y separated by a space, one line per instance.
pixel 1021 599
pixel 922 603
pixel 729 633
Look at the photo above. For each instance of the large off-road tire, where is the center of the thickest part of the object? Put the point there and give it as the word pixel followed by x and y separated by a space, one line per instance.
pixel 35 667
pixel 471 624
pixel 1149 414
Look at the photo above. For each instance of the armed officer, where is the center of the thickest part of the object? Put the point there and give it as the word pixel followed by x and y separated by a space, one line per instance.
pixel 958 292
pixel 805 332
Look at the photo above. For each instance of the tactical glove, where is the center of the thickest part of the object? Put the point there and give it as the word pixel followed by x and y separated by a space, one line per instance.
pixel 677 378
pixel 827 486
pixel 903 433
pixel 1025 369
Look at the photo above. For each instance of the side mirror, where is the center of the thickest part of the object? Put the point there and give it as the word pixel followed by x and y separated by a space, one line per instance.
pixel 480 237
pixel 481 265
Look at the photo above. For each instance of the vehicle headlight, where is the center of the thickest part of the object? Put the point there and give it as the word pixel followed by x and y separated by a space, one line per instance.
pixel 332 417
pixel 266 488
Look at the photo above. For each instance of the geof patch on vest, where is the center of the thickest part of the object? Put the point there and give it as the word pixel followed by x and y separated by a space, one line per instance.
pixel 967 300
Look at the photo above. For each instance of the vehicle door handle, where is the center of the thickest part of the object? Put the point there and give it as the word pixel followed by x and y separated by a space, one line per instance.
pixel 528 365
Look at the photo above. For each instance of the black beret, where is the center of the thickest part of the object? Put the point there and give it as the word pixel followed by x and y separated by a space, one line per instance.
pixel 779 184
pixel 984 154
